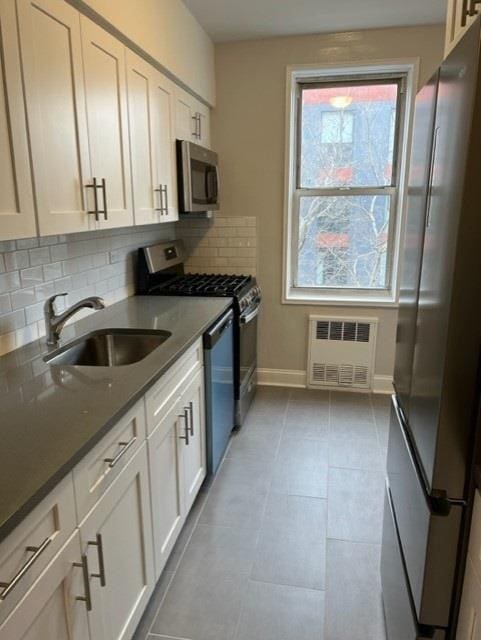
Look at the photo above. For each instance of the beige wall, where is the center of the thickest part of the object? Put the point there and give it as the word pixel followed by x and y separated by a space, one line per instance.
pixel 248 133
pixel 167 31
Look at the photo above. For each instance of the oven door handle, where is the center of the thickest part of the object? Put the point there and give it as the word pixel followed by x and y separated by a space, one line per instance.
pixel 245 318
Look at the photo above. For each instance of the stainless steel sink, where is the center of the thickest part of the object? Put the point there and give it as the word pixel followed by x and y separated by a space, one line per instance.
pixel 109 348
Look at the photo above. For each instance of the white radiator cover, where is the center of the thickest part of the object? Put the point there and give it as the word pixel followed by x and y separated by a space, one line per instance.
pixel 341 352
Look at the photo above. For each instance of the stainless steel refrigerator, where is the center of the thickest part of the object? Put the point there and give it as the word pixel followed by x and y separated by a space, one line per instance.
pixel 434 415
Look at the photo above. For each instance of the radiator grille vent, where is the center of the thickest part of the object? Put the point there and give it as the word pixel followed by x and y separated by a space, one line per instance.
pixel 341 351
pixel 346 331
pixel 344 375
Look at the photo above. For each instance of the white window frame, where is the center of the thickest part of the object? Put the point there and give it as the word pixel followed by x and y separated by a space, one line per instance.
pixel 339 297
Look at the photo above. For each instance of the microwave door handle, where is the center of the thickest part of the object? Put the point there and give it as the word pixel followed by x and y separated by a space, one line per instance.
pixel 216 183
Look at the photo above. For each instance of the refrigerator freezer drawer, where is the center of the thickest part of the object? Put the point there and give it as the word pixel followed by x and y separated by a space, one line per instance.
pixel 429 540
pixel 401 623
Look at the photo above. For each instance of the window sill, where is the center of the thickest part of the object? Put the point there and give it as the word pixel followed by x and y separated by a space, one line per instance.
pixel 312 299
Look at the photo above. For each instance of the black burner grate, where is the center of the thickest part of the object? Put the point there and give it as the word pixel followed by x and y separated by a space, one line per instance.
pixel 203 284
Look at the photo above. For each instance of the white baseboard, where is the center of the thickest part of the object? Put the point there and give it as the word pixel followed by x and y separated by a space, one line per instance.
pixel 382 384
pixel 281 377
pixel 296 378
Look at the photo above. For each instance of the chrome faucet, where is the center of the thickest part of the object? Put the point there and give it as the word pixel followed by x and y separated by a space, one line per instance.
pixel 55 323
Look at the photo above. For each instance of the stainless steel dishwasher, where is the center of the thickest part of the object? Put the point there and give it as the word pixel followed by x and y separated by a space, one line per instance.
pixel 219 388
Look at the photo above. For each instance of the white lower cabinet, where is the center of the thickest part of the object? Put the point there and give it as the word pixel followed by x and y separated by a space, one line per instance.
pixel 51 609
pixel 194 450
pixel 117 540
pixel 177 464
pixel 167 486
pixel 96 570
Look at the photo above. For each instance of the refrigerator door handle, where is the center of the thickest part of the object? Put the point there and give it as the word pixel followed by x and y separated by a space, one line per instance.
pixel 437 501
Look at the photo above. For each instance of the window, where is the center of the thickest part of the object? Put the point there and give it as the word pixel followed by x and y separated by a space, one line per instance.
pixel 346 140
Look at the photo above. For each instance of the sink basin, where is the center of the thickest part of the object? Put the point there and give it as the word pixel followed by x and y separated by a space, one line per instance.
pixel 109 348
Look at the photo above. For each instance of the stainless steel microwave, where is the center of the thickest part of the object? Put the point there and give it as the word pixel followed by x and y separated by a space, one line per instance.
pixel 198 177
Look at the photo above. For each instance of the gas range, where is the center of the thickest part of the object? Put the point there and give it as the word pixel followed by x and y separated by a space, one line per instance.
pixel 160 272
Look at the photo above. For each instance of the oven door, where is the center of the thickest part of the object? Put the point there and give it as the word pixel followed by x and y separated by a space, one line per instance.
pixel 247 350
pixel 198 178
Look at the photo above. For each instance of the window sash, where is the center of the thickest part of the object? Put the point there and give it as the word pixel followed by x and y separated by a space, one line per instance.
pixel 381 79
pixel 358 191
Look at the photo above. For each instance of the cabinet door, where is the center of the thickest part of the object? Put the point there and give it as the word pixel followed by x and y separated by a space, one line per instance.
pixel 117 539
pixel 192 119
pixel 51 609
pixel 203 127
pixel 17 213
pixel 166 482
pixel 146 191
pixel 185 126
pixel 54 91
pixel 162 105
pixel 193 449
pixel 106 99
pixel 457 23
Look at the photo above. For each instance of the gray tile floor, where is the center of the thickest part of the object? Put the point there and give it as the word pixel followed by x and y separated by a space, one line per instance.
pixel 285 543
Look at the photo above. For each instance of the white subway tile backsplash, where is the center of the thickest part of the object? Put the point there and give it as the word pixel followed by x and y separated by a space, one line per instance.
pixel 15 260
pixel 9 282
pixel 80 264
pixel 11 321
pixel 5 304
pixel 59 252
pixel 23 298
pixel 220 244
pixel 31 276
pixel 25 243
pixel 52 271
pixel 39 256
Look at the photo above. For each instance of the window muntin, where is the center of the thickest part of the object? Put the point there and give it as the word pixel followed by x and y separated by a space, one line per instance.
pixel 346 196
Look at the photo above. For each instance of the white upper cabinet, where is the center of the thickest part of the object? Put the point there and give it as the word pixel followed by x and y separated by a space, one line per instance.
pixel 163 111
pixel 17 212
pixel 146 199
pixel 102 126
pixel 192 119
pixel 152 142
pixel 458 21
pixel 106 99
pixel 54 87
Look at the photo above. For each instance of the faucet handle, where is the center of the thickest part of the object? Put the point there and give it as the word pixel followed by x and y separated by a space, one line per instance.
pixel 49 303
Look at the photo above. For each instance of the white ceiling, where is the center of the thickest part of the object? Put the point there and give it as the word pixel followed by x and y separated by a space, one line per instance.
pixel 226 20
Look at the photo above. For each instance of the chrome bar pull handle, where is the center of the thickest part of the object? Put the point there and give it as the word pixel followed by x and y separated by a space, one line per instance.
pixel 100 555
pixel 161 200
pixel 185 417
pixel 195 134
pixel 165 205
pixel 87 598
pixel 199 119
pixel 95 211
pixel 104 195
pixel 125 447
pixel 190 409
pixel 8 587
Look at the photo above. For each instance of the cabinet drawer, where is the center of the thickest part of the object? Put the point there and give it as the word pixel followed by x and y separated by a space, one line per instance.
pixel 31 546
pixel 158 400
pixel 94 474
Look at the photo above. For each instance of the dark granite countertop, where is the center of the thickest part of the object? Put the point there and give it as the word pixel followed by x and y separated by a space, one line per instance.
pixel 51 416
